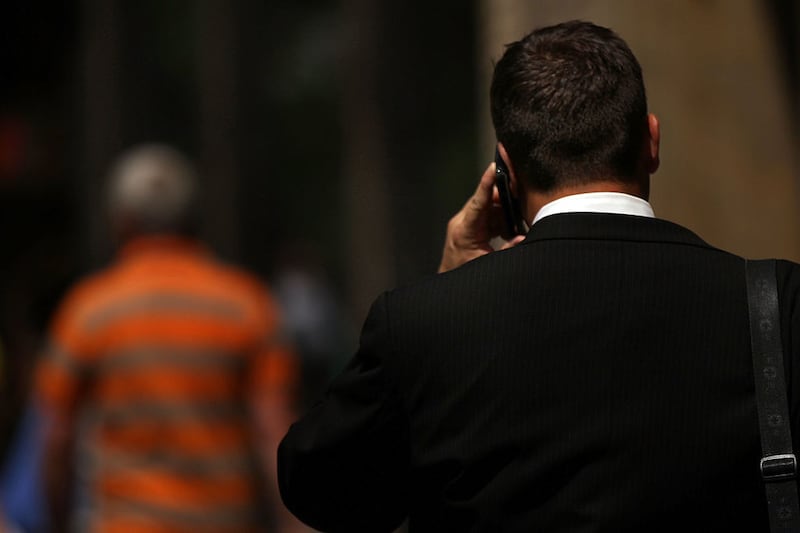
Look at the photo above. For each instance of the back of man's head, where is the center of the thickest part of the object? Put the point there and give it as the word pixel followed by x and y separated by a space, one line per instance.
pixel 568 103
pixel 152 189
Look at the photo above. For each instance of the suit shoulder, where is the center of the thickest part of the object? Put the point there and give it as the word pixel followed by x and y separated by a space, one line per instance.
pixel 452 288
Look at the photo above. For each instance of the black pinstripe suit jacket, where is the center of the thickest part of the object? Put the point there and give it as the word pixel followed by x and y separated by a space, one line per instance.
pixel 597 377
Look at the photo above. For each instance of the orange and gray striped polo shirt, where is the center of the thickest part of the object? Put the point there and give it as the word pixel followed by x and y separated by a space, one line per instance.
pixel 157 357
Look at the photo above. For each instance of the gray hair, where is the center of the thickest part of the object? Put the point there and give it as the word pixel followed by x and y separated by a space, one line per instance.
pixel 152 189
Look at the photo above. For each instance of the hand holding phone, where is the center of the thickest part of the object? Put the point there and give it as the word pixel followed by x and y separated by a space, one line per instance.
pixel 513 214
pixel 470 232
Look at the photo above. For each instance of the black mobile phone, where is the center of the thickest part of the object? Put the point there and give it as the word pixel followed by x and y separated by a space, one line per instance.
pixel 511 209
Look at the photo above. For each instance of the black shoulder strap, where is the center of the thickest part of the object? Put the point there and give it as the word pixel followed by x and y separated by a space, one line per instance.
pixel 778 464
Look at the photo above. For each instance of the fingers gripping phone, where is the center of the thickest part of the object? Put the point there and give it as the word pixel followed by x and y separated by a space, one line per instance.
pixel 511 210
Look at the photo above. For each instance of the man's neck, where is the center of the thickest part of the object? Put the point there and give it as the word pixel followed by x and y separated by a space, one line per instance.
pixel 538 199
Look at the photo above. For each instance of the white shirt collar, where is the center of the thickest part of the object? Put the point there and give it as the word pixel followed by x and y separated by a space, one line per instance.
pixel 597 202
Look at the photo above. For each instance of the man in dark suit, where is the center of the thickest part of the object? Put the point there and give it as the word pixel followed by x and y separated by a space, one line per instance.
pixel 597 376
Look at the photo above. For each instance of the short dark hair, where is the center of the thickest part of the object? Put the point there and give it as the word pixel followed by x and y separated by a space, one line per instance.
pixel 569 105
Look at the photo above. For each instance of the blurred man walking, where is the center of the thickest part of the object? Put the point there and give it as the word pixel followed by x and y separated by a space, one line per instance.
pixel 166 384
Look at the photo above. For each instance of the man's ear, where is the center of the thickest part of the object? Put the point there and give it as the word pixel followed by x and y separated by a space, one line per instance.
pixel 654 138
pixel 512 176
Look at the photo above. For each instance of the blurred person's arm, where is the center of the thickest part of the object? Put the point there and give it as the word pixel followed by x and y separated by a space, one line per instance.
pixel 273 392
pixel 57 468
pixel 56 403
pixel 60 380
pixel 471 230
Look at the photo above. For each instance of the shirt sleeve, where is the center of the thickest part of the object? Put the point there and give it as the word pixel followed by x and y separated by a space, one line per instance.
pixel 64 364
pixel 344 465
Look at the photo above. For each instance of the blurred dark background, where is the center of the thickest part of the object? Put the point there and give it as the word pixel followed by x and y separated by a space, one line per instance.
pixel 342 134
pixel 264 96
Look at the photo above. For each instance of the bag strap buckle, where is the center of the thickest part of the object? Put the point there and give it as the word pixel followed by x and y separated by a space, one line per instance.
pixel 778 467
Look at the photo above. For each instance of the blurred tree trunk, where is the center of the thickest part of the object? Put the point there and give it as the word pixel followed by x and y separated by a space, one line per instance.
pixel 714 79
pixel 408 129
pixel 366 200
pixel 99 101
pixel 217 60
